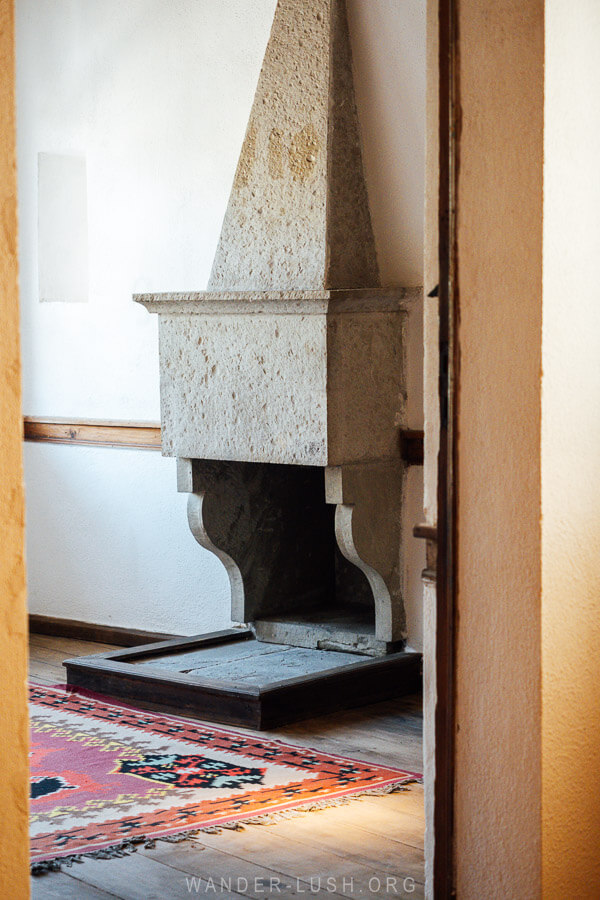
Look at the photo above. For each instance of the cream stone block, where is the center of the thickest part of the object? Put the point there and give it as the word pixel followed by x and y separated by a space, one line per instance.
pixel 305 381
pixel 244 388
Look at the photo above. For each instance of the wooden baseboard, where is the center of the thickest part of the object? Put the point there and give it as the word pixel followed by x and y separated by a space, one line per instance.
pixel 147 435
pixel 100 634
pixel 136 435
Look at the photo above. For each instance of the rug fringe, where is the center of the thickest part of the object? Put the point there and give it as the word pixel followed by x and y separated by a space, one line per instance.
pixel 126 847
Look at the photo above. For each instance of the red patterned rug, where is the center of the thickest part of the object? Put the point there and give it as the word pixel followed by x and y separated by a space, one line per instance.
pixel 106 777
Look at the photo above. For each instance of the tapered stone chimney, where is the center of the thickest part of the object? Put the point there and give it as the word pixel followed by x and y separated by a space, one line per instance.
pixel 298 217
pixel 282 385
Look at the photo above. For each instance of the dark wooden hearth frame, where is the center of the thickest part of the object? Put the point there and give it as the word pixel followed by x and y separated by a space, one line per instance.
pixel 120 673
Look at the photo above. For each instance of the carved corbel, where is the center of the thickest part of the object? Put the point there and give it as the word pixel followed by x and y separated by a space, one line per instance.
pixel 368 501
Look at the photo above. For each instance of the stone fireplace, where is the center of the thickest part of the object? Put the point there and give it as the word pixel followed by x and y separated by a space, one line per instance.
pixel 283 385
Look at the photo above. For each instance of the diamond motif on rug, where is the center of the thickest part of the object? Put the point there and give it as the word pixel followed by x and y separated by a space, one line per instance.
pixel 103 775
pixel 190 771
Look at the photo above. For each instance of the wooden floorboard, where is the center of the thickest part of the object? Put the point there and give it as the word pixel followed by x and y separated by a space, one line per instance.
pixel 61 886
pixel 193 858
pixel 365 848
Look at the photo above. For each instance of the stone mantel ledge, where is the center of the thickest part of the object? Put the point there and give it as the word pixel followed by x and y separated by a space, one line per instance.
pixel 291 302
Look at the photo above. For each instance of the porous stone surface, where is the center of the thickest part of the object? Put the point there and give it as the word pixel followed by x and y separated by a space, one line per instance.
pixel 323 635
pixel 298 216
pixel 368 501
pixel 366 391
pixel 318 382
pixel 251 388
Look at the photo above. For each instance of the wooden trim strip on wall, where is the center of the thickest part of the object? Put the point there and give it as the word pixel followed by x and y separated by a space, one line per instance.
pixel 137 435
pixel 100 634
pixel 146 435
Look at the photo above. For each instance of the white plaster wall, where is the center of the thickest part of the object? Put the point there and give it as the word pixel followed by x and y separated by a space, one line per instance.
pixel 155 94
pixel 108 541
pixel 389 47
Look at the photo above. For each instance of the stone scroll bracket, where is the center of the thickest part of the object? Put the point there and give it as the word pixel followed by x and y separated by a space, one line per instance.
pixel 305 547
pixel 368 503
pixel 195 513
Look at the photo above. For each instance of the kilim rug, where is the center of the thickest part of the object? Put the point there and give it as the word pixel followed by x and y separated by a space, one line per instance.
pixel 105 777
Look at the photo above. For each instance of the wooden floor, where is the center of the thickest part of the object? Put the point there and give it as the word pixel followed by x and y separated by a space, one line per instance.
pixel 372 847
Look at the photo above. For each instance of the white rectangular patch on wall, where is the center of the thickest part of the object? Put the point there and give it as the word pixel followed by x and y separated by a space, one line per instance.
pixel 62 228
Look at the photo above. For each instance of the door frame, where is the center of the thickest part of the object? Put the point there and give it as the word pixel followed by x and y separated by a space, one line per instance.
pixel 444 882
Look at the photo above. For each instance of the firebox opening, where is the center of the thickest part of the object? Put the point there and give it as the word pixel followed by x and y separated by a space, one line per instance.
pixel 292 584
pixel 343 620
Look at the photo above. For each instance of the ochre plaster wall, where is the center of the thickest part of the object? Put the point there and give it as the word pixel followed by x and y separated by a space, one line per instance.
pixel 528 480
pixel 571 454
pixel 14 840
pixel 501 67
